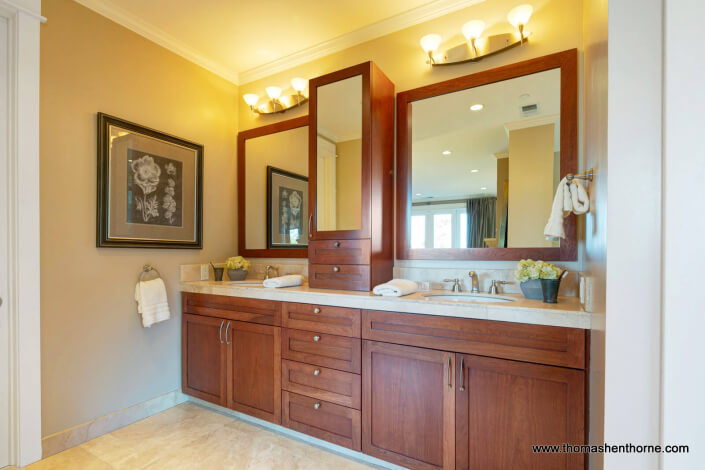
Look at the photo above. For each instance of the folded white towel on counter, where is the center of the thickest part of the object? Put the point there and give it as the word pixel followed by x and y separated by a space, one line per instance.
pixel 569 198
pixel 579 198
pixel 152 303
pixel 284 281
pixel 396 288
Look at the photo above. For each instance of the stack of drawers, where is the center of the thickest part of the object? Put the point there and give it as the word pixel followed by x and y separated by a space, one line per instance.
pixel 339 264
pixel 321 356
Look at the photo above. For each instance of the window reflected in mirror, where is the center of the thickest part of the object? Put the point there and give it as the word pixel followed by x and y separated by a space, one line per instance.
pixel 276 190
pixel 339 155
pixel 485 164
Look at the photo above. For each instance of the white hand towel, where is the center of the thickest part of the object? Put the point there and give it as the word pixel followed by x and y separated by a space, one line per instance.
pixel 284 281
pixel 152 303
pixel 579 198
pixel 562 206
pixel 396 288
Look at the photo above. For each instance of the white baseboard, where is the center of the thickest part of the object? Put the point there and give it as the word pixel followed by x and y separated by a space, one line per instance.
pixel 81 433
pixel 344 451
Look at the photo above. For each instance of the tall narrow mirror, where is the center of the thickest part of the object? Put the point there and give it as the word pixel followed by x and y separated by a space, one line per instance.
pixel 339 155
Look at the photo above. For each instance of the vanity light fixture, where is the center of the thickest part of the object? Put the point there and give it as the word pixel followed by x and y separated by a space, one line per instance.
pixel 477 107
pixel 276 102
pixel 518 17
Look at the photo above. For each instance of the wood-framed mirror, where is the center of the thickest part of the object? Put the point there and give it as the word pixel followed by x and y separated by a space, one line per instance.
pixel 479 159
pixel 272 190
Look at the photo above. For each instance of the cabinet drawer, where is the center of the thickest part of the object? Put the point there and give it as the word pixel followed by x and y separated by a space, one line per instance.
pixel 266 312
pixel 550 345
pixel 336 352
pixel 342 388
pixel 343 276
pixel 339 251
pixel 321 318
pixel 321 419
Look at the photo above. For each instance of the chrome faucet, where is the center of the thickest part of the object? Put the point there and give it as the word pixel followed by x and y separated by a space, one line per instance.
pixel 475 283
pixel 494 288
pixel 456 284
pixel 267 269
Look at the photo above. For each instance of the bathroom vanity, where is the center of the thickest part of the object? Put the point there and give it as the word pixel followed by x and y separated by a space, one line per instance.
pixel 419 382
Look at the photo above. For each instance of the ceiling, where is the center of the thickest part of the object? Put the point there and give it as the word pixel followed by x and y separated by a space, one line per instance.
pixel 446 122
pixel 232 37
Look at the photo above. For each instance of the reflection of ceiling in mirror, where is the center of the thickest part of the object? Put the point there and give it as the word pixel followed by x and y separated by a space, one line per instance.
pixel 446 123
pixel 339 110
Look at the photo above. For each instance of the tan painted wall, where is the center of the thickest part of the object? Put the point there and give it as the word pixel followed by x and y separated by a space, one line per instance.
pixel 530 185
pixel 286 150
pixel 96 358
pixel 348 185
pixel 556 26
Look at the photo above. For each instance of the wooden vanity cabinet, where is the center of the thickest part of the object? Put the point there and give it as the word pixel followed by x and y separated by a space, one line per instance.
pixel 352 255
pixel 203 358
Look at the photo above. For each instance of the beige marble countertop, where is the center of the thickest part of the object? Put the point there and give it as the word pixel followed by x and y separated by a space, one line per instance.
pixel 566 313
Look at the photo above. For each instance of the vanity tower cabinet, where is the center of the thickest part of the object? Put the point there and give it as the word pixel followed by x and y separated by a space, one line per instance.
pixel 351 179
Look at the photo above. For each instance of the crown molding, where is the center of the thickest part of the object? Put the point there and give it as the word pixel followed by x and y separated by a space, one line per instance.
pixel 141 27
pixel 389 25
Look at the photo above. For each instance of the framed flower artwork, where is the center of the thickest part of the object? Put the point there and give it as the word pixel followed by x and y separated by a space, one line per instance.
pixel 150 187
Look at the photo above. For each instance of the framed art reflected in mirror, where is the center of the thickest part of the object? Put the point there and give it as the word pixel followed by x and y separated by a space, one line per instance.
pixel 287 209
pixel 150 190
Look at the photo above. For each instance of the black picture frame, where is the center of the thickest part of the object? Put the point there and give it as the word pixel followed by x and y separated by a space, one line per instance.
pixel 189 202
pixel 271 173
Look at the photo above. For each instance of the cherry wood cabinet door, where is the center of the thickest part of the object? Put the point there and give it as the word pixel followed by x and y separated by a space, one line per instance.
pixel 203 358
pixel 254 370
pixel 504 407
pixel 408 405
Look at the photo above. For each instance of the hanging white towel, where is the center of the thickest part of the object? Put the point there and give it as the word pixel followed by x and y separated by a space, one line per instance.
pixel 396 288
pixel 562 206
pixel 579 198
pixel 152 303
pixel 284 281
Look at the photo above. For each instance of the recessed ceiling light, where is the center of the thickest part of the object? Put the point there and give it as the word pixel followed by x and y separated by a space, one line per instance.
pixel 474 171
pixel 418 194
pixel 446 152
pixel 483 188
pixel 477 107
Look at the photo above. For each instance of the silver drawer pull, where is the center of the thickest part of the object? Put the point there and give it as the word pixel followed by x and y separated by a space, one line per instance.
pixel 317 371
pixel 316 338
pixel 336 269
pixel 336 244
pixel 316 406
pixel 316 310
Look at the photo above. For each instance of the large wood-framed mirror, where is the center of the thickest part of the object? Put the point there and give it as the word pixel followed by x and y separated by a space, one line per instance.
pixel 479 159
pixel 272 190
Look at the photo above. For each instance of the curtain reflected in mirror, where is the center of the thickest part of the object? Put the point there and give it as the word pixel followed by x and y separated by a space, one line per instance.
pixel 485 164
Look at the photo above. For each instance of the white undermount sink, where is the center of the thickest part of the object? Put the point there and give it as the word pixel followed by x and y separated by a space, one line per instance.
pixel 461 297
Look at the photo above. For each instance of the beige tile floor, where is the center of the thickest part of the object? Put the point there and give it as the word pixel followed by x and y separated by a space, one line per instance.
pixel 189 436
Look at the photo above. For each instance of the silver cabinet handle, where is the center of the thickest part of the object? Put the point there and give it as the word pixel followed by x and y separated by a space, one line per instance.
pixel 316 338
pixel 316 310
pixel 462 373
pixel 227 327
pixel 450 377
pixel 317 371
pixel 336 244
pixel 316 406
pixel 220 332
pixel 310 235
pixel 336 269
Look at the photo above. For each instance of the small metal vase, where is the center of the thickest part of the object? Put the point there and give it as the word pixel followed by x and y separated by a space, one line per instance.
pixel 549 288
pixel 237 274
pixel 532 289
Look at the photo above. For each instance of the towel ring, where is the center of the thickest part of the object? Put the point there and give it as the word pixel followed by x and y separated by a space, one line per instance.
pixel 148 268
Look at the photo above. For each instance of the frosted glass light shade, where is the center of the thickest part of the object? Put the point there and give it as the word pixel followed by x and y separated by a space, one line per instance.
pixel 473 29
pixel 298 84
pixel 430 42
pixel 251 99
pixel 274 92
pixel 520 15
